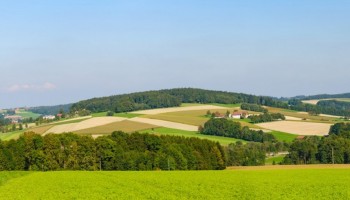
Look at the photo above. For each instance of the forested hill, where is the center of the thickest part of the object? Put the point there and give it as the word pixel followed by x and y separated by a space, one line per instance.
pixel 169 98
pixel 50 110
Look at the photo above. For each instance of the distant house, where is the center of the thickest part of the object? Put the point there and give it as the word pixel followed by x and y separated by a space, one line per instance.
pixel 59 115
pixel 14 118
pixel 239 115
pixel 49 117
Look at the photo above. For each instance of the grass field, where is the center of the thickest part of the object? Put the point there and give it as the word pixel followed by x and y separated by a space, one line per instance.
pixel 175 132
pixel 252 183
pixel 27 114
pixel 277 159
pixel 126 126
pixel 282 136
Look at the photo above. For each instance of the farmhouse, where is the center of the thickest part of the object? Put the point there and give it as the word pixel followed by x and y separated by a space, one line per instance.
pixel 239 115
pixel 49 117
pixel 14 118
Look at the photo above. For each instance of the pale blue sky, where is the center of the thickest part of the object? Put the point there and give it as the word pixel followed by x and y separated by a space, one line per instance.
pixel 65 51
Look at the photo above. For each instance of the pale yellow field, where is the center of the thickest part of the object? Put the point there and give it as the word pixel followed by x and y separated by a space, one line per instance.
pixel 178 109
pixel 314 101
pixel 299 128
pixel 166 124
pixel 125 126
pixel 93 122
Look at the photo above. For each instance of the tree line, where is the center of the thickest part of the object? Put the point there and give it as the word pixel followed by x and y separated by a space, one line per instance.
pixel 227 128
pixel 253 107
pixel 324 150
pixel 266 117
pixel 331 107
pixel 119 151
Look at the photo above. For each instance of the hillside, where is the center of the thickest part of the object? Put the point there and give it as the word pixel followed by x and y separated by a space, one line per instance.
pixel 169 98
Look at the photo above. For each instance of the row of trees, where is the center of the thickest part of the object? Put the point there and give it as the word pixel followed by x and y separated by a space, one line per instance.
pixel 253 107
pixel 325 150
pixel 119 151
pixel 331 107
pixel 266 117
pixel 170 98
pixel 228 128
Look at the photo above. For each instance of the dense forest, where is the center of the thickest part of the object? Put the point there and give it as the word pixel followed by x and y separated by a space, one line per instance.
pixel 119 151
pixel 325 150
pixel 169 98
pixel 228 128
pixel 51 110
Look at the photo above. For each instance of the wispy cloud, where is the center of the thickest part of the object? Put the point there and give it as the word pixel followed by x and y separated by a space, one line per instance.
pixel 31 87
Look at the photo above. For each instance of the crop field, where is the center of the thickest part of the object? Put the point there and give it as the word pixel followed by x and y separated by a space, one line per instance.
pixel 303 115
pixel 241 183
pixel 168 131
pixel 299 128
pixel 177 109
pixel 125 126
pixel 315 101
pixel 89 123
pixel 167 124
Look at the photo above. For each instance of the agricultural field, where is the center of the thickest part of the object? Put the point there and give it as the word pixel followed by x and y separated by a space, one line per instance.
pixel 175 132
pixel 27 114
pixel 315 101
pixel 177 109
pixel 167 124
pixel 298 128
pixel 85 124
pixel 125 115
pixel 270 182
pixel 125 126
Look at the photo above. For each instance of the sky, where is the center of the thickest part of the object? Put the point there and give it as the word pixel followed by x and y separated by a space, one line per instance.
pixel 56 52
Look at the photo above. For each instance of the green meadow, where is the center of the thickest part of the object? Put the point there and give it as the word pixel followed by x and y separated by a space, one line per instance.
pixel 229 184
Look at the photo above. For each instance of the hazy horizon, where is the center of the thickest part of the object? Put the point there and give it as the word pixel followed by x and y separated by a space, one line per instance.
pixel 61 52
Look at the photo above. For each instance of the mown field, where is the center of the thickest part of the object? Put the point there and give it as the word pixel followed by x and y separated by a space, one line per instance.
pixel 244 183
pixel 175 132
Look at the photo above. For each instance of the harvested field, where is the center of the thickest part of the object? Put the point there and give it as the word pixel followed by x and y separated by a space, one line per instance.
pixel 314 101
pixel 41 129
pixel 299 128
pixel 293 118
pixel 177 109
pixel 125 126
pixel 98 121
pixel 166 124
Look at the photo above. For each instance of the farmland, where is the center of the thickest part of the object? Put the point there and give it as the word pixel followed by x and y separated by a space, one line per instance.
pixel 125 126
pixel 275 182
pixel 300 128
pixel 175 132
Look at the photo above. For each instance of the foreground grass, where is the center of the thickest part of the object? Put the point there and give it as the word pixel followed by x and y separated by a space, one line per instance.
pixel 168 131
pixel 229 184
